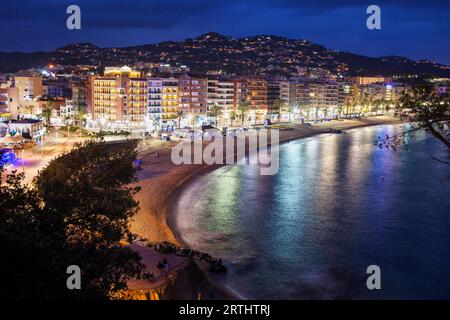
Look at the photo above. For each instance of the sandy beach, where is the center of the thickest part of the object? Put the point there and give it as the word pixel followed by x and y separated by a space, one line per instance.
pixel 161 180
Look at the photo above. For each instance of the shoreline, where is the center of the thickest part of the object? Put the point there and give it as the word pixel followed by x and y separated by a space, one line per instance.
pixel 162 182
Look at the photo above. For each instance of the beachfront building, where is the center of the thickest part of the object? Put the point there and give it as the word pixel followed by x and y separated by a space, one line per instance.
pixel 193 95
pixel 221 96
pixel 225 99
pixel 120 100
pixel 169 103
pixel 316 99
pixel 253 91
pixel 155 93
pixel 277 90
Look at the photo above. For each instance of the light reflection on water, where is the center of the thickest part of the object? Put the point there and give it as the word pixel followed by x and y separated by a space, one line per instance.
pixel 337 205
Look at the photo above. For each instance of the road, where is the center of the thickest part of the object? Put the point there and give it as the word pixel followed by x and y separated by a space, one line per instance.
pixel 32 160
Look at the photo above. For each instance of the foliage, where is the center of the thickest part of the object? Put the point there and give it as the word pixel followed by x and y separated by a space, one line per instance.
pixel 47 111
pixel 179 115
pixel 244 108
pixel 216 112
pixel 429 110
pixel 75 213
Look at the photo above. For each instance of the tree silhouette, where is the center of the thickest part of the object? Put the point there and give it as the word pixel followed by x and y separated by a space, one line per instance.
pixel 76 213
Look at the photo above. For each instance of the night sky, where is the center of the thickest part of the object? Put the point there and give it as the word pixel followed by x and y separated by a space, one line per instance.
pixel 415 29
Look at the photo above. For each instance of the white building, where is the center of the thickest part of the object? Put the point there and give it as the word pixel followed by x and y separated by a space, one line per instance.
pixel 155 89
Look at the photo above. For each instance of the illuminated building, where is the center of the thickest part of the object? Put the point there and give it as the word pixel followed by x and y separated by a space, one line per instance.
pixel 29 89
pixel 193 94
pixel 169 101
pixel 370 80
pixel 154 103
pixel 120 99
pixel 252 90
pixel 9 103
pixel 277 90
pixel 220 94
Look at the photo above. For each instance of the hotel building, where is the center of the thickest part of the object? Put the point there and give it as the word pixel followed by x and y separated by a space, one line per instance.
pixel 120 99
pixel 169 102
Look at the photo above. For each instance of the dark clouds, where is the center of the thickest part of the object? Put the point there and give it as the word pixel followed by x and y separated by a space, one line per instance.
pixel 417 29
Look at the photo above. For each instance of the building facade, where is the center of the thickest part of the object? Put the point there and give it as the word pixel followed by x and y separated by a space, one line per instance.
pixel 120 100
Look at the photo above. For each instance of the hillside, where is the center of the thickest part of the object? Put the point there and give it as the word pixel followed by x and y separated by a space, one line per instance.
pixel 263 54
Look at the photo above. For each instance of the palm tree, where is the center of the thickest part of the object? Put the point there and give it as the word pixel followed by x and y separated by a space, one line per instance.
pixel 180 115
pixel 156 122
pixel 340 110
pixel 47 111
pixel 232 117
pixel 350 102
pixel 288 108
pixel 325 112
pixel 243 108
pixel 378 103
pixel 279 105
pixel 30 109
pixel 216 111
pixel 81 116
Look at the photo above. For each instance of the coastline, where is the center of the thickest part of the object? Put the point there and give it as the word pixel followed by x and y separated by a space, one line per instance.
pixel 162 182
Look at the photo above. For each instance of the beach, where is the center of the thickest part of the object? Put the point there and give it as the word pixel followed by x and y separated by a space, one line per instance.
pixel 161 180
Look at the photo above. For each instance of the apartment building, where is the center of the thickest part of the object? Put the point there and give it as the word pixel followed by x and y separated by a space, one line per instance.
pixel 377 91
pixel 9 103
pixel 193 93
pixel 155 93
pixel 316 99
pixel 29 87
pixel 277 90
pixel 252 90
pixel 120 99
pixel 225 95
pixel 79 97
pixel 220 94
pixel 369 80
pixel 169 102
pixel 56 89
pixel 4 105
